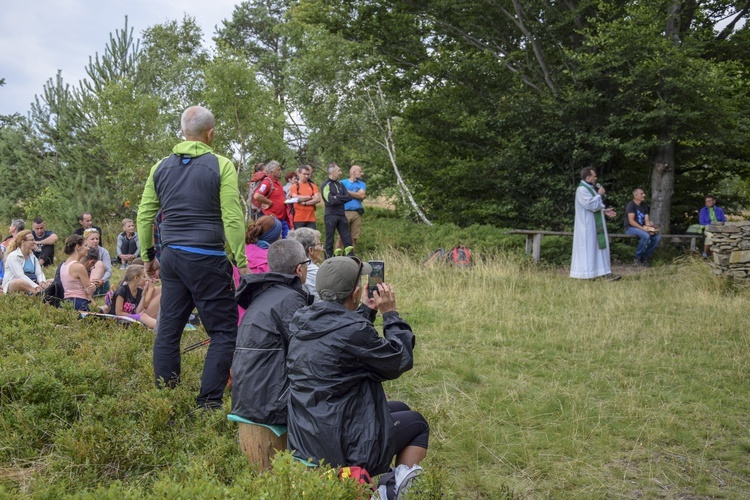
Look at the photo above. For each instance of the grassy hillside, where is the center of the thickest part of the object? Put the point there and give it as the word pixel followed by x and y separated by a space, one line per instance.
pixel 534 385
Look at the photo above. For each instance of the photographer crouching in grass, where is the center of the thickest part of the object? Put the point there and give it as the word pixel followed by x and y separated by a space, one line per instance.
pixel 336 363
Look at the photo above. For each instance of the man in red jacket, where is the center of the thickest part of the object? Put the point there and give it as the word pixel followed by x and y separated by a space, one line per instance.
pixel 270 195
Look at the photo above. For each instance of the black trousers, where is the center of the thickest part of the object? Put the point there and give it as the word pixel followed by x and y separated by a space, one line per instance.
pixel 336 223
pixel 411 427
pixel 204 281
pixel 46 256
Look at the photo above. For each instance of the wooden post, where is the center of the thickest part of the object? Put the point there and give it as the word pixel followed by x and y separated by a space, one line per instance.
pixel 529 239
pixel 537 247
pixel 260 444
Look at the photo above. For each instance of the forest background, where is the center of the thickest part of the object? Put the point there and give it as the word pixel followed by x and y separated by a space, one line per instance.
pixel 462 111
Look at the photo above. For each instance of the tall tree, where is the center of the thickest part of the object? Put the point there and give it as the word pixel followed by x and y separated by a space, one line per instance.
pixel 516 97
pixel 256 32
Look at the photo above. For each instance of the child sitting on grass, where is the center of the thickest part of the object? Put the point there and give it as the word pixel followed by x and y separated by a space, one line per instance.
pixel 133 295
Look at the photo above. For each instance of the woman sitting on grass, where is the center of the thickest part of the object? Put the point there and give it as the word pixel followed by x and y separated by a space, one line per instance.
pixel 133 295
pixel 310 239
pixel 74 273
pixel 23 273
pixel 102 271
pixel 258 238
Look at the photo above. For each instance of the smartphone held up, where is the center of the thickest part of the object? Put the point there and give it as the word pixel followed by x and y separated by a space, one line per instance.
pixel 376 276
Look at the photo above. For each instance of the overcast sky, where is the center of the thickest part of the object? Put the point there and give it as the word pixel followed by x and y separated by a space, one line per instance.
pixel 38 37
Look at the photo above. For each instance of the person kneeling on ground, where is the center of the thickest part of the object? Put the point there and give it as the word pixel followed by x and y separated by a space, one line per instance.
pixel 336 364
pixel 22 271
pixel 259 380
pixel 133 295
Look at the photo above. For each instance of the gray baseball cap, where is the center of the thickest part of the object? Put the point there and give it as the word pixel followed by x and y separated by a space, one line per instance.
pixel 340 275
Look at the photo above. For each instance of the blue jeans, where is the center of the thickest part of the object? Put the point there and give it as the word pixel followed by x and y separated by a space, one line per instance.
pixel 646 244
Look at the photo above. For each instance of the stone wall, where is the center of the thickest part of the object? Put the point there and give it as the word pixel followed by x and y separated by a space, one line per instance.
pixel 731 249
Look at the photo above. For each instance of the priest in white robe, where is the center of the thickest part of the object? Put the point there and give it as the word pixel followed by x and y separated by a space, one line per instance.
pixel 590 240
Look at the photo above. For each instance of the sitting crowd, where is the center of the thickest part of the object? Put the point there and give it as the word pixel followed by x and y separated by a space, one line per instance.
pixel 84 275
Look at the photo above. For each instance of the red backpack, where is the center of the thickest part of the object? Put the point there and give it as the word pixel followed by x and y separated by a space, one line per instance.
pixel 255 208
pixel 460 256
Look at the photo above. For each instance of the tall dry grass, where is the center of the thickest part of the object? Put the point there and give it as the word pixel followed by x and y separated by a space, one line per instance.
pixel 554 386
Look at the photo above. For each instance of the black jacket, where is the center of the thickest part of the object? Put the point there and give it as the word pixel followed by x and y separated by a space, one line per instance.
pixel 335 196
pixel 336 363
pixel 259 380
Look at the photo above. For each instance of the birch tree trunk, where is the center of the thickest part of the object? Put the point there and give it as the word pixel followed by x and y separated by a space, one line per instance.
pixel 384 126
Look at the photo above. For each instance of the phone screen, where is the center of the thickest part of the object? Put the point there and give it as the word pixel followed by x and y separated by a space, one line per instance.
pixel 376 276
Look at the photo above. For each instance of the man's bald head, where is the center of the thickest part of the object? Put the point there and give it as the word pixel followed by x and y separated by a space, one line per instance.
pixel 198 124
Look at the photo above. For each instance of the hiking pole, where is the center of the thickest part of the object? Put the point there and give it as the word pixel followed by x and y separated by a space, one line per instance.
pixel 195 346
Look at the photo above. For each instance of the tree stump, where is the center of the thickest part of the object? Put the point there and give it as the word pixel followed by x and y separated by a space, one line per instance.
pixel 260 444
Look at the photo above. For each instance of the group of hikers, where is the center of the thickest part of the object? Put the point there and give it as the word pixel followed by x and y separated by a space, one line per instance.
pixel 303 357
pixel 307 355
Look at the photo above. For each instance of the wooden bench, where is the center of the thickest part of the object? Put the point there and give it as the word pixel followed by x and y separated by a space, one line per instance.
pixel 259 442
pixel 534 239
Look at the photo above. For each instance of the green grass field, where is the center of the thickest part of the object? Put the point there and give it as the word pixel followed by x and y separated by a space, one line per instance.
pixel 534 384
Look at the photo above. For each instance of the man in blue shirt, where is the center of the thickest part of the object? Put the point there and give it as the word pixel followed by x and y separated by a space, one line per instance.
pixel 354 208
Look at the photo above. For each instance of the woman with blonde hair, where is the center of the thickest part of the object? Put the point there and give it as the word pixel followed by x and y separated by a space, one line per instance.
pixel 22 271
pixel 102 271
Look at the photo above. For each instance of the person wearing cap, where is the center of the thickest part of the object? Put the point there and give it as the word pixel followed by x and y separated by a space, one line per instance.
pixel 259 382
pixel 336 362
pixel 202 233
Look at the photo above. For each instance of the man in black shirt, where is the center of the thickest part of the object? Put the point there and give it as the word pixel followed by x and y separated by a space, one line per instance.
pixel 638 223
pixel 87 222
pixel 335 196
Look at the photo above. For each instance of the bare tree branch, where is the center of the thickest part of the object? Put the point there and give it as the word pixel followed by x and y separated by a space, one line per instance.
pixel 729 28
pixel 501 54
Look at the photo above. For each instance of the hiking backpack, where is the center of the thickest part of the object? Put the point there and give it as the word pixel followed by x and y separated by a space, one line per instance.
pixel 438 255
pixel 255 208
pixel 460 256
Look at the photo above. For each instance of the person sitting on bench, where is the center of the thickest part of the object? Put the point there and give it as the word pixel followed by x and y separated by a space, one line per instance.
pixel 710 214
